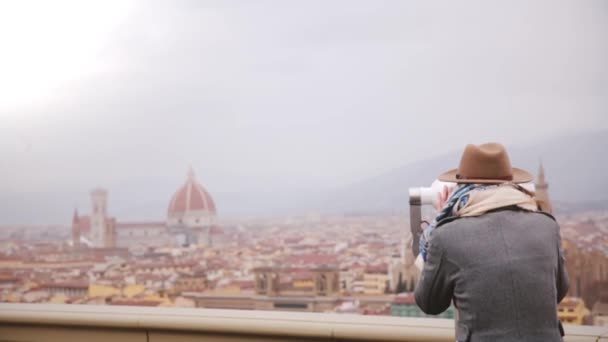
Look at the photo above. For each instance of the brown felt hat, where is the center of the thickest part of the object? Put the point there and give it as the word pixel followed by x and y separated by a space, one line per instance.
pixel 486 164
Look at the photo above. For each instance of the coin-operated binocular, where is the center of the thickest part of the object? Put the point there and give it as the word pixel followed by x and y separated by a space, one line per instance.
pixel 419 197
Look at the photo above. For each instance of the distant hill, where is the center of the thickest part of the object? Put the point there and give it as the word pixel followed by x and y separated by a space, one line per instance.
pixel 576 169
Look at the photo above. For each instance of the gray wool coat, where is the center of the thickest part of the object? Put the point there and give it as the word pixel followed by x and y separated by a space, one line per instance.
pixel 505 273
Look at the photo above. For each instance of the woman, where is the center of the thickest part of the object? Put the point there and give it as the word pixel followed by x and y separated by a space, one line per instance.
pixel 493 254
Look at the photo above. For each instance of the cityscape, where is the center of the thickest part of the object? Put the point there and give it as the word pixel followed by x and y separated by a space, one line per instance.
pixel 267 170
pixel 353 264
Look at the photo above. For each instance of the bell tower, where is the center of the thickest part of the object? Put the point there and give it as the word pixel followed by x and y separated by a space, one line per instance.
pixel 99 216
pixel 542 191
pixel 75 230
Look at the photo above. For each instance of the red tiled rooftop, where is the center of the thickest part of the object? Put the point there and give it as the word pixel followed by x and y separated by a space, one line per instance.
pixel 10 258
pixel 191 196
pixel 84 224
pixel 8 279
pixel 80 284
pixel 312 259
pixel 246 284
pixel 302 275
pixel 405 299
pixel 377 269
pixel 215 230
pixel 166 265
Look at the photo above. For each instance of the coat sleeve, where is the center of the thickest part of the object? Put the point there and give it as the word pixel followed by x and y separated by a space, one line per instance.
pixel 562 282
pixel 435 287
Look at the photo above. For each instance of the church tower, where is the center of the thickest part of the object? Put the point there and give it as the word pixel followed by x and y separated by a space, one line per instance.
pixel 99 217
pixel 75 230
pixel 110 233
pixel 403 272
pixel 542 193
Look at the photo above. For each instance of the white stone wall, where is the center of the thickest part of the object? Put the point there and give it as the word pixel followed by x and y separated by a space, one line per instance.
pixel 152 236
pixel 192 219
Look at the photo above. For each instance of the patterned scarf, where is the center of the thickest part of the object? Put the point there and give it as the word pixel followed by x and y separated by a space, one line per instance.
pixel 477 199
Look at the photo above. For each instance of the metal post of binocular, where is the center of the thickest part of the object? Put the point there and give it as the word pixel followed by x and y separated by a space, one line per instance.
pixel 415 218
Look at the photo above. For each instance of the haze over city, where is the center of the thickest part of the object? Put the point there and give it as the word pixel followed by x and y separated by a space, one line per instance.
pixel 276 98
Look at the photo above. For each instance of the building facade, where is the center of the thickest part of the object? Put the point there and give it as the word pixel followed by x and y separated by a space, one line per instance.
pixel 270 293
pixel 572 310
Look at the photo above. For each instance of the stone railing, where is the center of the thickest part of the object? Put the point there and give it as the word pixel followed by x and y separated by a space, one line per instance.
pixel 46 322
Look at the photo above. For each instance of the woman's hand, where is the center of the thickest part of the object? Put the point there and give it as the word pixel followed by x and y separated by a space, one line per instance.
pixel 442 198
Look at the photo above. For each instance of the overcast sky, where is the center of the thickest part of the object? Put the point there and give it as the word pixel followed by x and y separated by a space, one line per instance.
pixel 284 94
